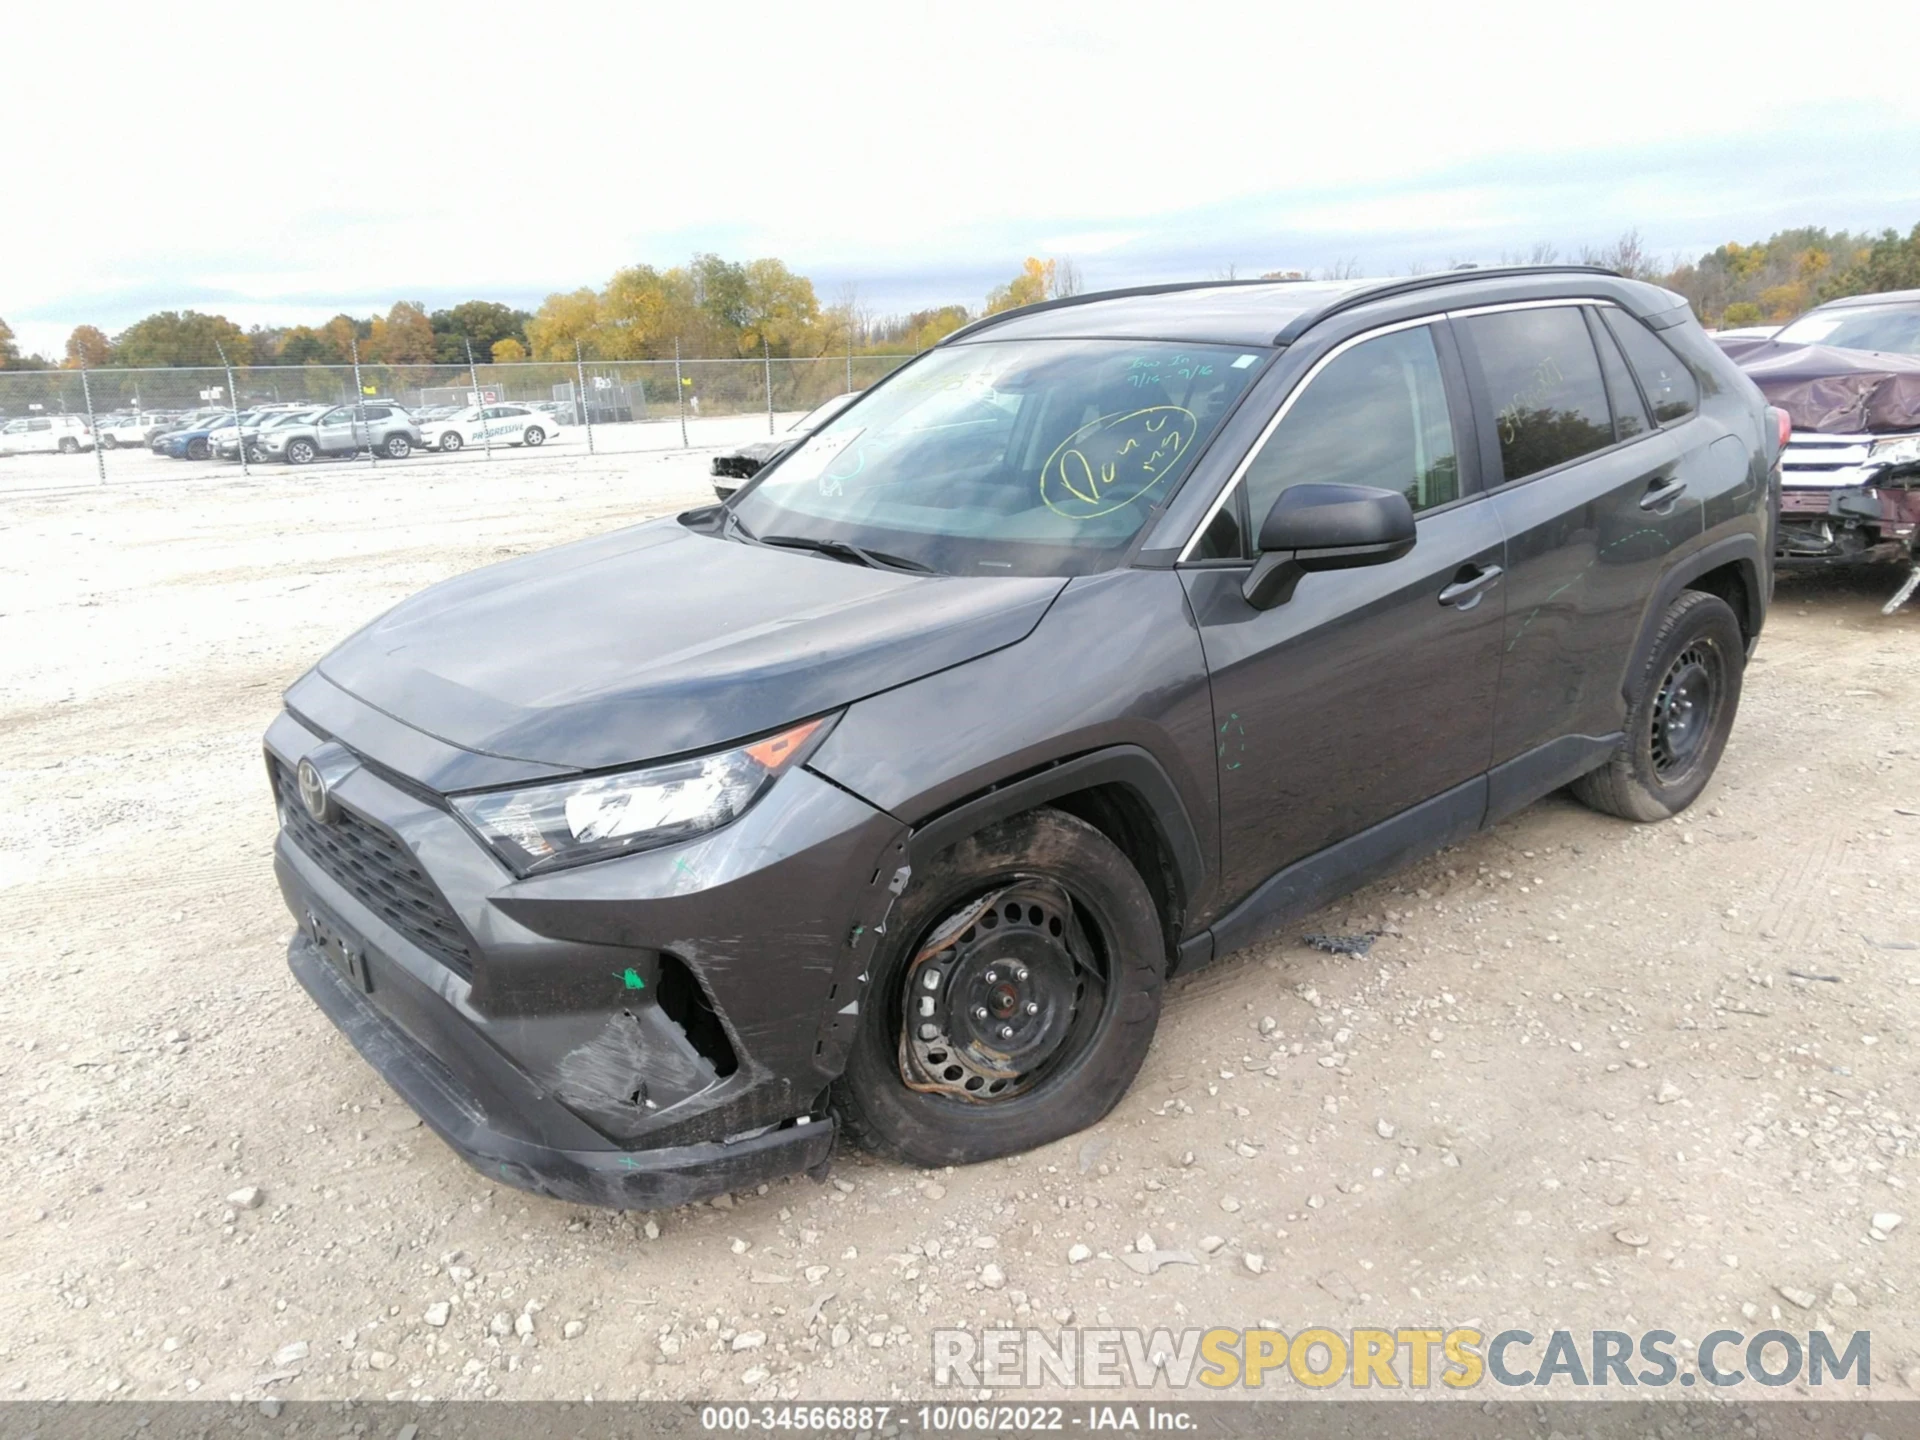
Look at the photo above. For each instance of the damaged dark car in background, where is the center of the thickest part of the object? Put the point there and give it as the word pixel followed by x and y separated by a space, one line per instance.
pixel 1102 639
pixel 1847 375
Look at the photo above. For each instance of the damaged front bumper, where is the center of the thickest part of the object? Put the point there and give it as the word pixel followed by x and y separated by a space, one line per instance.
pixel 1848 524
pixel 637 1033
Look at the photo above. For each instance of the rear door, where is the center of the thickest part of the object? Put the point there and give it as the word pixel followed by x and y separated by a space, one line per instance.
pixel 1592 501
pixel 1369 690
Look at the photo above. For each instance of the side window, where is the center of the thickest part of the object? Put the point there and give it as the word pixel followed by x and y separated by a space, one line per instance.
pixel 1377 415
pixel 40 425
pixel 378 412
pixel 1543 382
pixel 1629 410
pixel 338 416
pixel 1670 386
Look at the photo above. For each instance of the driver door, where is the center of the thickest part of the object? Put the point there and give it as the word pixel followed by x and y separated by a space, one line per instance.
pixel 1359 712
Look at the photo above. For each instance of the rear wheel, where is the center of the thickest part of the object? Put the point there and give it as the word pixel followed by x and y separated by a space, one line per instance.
pixel 534 436
pixel 69 445
pixel 397 447
pixel 451 441
pixel 107 442
pixel 1677 729
pixel 1011 1002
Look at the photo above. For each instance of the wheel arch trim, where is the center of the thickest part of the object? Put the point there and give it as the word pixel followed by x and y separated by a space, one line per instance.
pixel 1741 550
pixel 1128 766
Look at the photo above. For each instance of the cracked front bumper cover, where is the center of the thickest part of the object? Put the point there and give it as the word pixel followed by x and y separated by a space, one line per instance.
pixel 640 1179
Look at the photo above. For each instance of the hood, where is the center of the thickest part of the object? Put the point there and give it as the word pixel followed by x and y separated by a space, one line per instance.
pixel 1837 392
pixel 764 450
pixel 658 641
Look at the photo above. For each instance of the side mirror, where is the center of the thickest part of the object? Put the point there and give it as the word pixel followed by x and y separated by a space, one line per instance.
pixel 1326 527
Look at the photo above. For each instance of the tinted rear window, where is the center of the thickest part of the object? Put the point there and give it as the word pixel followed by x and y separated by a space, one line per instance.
pixel 1670 386
pixel 1629 410
pixel 1543 382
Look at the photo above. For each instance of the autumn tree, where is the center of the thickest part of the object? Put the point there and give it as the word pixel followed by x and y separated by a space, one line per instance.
pixel 508 351
pixel 87 347
pixel 483 323
pixel 1889 263
pixel 560 321
pixel 1033 284
pixel 403 336
pixel 181 337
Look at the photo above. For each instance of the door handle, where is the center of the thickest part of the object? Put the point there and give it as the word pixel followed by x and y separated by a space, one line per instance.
pixel 1661 495
pixel 1472 582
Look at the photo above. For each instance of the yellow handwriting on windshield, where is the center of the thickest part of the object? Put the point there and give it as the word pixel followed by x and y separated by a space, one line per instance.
pixel 1111 462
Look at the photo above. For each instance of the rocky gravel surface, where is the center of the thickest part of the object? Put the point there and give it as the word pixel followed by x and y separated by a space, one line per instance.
pixel 1587 1075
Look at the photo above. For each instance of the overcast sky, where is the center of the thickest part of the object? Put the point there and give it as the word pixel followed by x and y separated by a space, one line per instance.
pixel 280 163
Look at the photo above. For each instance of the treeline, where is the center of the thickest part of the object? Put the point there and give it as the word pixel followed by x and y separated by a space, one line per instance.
pixel 715 308
pixel 1773 280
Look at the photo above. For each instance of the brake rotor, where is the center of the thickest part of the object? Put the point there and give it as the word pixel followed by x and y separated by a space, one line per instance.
pixel 994 994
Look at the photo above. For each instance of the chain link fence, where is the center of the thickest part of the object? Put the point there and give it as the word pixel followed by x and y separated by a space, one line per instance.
pixel 586 393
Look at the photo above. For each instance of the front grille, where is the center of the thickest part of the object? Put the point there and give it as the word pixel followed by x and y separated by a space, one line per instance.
pixel 370 861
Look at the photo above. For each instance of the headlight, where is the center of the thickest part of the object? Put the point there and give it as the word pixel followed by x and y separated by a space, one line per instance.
pixel 1902 451
pixel 546 827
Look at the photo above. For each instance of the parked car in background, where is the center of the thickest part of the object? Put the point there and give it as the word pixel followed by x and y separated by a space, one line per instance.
pixel 1847 374
pixel 196 442
pixel 743 462
pixel 227 440
pixel 45 434
pixel 133 431
pixel 193 420
pixel 490 424
pixel 885 798
pixel 381 427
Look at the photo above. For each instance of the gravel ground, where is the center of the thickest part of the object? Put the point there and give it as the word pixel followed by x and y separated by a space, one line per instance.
pixel 1591 1074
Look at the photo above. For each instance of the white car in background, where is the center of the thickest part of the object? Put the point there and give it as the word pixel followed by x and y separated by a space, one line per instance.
pixel 489 424
pixel 130 430
pixel 45 434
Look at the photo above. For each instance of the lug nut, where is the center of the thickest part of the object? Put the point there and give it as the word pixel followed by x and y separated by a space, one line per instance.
pixel 1033 1007
pixel 992 975
pixel 1020 974
pixel 1006 1032
pixel 980 1012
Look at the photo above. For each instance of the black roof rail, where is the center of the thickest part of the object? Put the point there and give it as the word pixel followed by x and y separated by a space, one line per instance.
pixel 1172 287
pixel 1300 324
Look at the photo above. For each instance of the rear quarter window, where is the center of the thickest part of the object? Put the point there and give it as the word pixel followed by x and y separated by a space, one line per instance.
pixel 1671 389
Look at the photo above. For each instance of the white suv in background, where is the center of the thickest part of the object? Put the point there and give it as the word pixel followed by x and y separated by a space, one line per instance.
pixel 45 434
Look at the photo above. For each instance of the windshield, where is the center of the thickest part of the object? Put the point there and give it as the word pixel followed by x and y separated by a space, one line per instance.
pixel 1894 328
pixel 1037 457
pixel 820 414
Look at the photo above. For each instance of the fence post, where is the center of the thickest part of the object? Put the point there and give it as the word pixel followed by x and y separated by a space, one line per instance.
pixel 360 404
pixel 479 400
pixel 766 358
pixel 233 406
pixel 86 393
pixel 680 392
pixel 580 379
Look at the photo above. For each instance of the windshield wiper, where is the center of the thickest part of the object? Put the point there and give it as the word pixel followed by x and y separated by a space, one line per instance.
pixel 847 550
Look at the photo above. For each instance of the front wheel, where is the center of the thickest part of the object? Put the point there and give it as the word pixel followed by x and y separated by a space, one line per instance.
pixel 69 445
pixel 397 447
pixel 534 436
pixel 1012 999
pixel 107 442
pixel 1678 727
pixel 301 452
pixel 451 441
pixel 197 450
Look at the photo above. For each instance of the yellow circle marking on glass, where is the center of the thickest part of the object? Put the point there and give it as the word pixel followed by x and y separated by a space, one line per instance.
pixel 1110 462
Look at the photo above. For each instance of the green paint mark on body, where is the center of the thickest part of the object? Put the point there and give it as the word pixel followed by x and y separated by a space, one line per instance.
pixel 633 980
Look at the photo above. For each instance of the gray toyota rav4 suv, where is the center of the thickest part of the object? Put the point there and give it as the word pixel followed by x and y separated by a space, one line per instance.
pixel 1100 640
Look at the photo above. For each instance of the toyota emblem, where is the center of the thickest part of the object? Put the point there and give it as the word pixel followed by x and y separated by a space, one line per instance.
pixel 313 792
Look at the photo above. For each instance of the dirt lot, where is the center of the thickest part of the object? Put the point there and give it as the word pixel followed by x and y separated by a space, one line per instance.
pixel 1583 1080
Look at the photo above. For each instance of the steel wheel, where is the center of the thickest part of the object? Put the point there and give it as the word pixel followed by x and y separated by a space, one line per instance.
pixel 1004 991
pixel 1683 710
